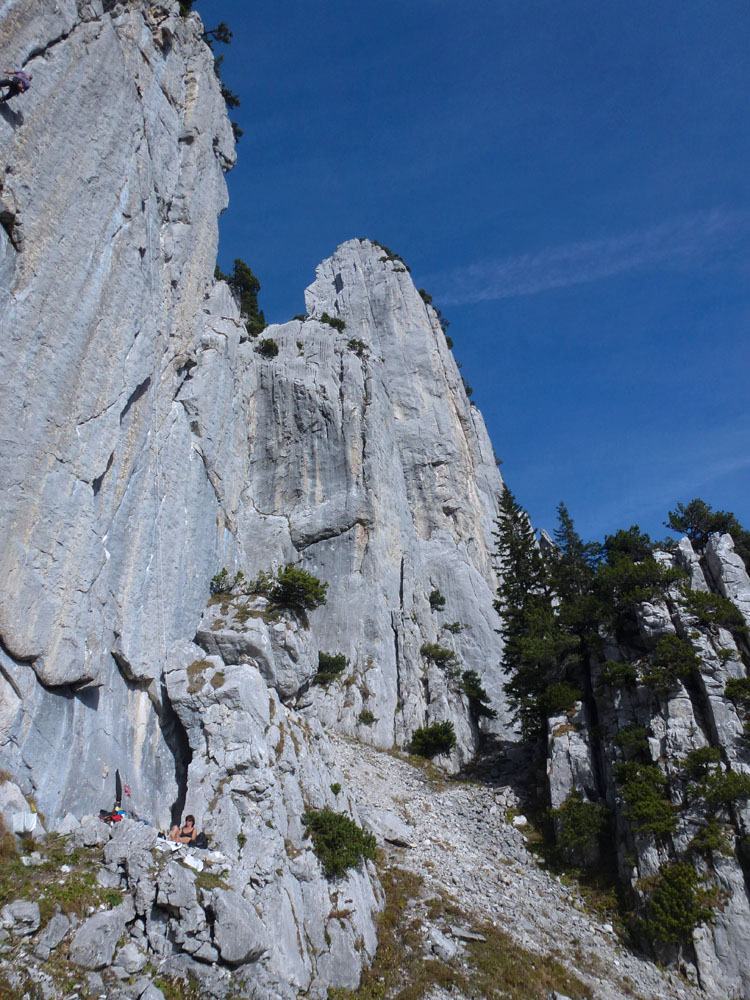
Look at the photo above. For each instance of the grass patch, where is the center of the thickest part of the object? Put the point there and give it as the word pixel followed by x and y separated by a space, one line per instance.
pixel 209 880
pixel 74 891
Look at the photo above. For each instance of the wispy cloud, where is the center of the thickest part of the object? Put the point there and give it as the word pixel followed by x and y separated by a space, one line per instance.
pixel 688 241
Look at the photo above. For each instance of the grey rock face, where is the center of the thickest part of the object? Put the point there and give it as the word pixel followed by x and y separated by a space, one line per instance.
pixel 161 446
pixel 99 324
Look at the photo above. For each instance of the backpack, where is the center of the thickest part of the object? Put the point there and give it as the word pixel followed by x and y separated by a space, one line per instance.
pixel 201 841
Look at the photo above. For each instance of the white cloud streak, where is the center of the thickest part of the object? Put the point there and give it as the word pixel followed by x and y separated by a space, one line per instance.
pixel 689 241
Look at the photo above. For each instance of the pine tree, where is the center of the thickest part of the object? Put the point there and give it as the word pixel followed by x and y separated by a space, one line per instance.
pixel 524 602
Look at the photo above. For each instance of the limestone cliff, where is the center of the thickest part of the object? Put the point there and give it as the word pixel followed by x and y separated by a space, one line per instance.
pixel 147 444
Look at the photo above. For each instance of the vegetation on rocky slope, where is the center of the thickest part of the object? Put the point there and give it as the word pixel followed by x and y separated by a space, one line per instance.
pixel 565 607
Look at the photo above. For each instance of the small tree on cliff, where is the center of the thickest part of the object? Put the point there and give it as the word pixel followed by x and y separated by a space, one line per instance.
pixel 246 286
pixel 697 520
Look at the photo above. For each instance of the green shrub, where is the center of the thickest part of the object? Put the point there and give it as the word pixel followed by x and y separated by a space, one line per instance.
pixel 467 388
pixel 336 788
pixel 334 321
pixel 633 740
pixel 329 666
pixel 429 741
pixel 337 840
pixel 559 698
pixel 676 905
pixel 724 789
pixel 268 348
pixel 297 588
pixel 390 255
pixel 262 584
pixel 449 342
pixel 738 690
pixel 579 823
pixel 220 582
pixel 710 839
pixel 437 601
pixel 437 654
pixel 616 674
pixel 697 520
pixel 425 297
pixel 454 627
pixel 358 346
pixel 366 717
pixel 673 659
pixel 644 790
pixel 622 583
pixel 479 700
pixel 714 610
pixel 698 762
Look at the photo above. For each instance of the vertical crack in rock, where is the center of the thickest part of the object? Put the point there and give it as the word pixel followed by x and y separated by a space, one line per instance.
pixel 399 702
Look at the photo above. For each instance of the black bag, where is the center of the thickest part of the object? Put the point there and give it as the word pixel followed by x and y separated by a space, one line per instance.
pixel 201 841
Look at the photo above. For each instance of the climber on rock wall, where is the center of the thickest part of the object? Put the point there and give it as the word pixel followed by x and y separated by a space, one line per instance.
pixel 18 82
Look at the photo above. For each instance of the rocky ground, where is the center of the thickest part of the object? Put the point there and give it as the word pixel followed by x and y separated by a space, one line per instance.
pixel 470 912
pixel 467 845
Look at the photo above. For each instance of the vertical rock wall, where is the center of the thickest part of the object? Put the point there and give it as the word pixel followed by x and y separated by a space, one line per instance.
pixel 112 186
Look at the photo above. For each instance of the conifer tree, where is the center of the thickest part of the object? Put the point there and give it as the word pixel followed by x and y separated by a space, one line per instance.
pixel 247 286
pixel 524 603
pixel 697 520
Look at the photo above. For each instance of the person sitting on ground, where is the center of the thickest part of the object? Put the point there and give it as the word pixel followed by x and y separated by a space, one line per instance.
pixel 187 834
pixel 17 83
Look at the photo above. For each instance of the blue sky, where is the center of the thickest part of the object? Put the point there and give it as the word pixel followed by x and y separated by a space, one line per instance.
pixel 569 182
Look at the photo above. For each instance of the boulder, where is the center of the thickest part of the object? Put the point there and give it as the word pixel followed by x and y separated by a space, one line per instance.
pixel 131 958
pixel 95 941
pixel 387 826
pixel 56 929
pixel 21 917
